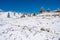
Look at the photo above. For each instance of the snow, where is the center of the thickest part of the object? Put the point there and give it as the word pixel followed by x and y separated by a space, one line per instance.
pixel 39 27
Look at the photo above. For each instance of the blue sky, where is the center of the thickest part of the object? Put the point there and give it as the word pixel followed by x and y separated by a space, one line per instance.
pixel 28 5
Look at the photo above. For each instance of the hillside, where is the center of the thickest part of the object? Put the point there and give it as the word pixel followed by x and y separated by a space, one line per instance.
pixel 45 26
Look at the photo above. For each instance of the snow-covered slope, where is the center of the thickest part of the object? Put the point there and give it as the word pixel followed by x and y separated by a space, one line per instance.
pixel 44 26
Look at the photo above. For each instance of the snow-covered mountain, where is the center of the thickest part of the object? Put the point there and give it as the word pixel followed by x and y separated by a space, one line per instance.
pixel 45 26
